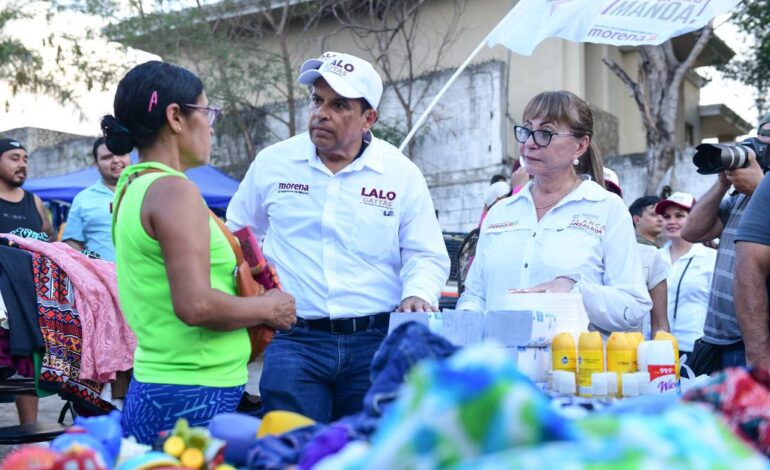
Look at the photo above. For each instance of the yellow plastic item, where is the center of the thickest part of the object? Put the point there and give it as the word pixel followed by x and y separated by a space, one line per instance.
pixel 225 466
pixel 192 458
pixel 563 352
pixel 634 338
pixel 174 446
pixel 666 335
pixel 590 360
pixel 278 422
pixel 619 356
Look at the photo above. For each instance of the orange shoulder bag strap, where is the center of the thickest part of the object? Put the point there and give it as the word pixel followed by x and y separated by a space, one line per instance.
pixel 230 238
pixel 131 179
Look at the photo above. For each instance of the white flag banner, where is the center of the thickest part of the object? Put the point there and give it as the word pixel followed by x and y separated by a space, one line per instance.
pixel 616 22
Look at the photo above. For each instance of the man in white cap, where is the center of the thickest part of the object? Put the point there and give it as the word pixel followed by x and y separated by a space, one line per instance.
pixel 349 224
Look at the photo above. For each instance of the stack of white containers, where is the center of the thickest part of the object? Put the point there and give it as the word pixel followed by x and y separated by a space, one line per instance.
pixel 525 330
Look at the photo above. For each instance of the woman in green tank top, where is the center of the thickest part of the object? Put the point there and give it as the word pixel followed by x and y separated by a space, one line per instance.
pixel 174 265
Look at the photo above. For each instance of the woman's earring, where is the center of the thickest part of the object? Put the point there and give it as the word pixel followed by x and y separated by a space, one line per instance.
pixel 576 162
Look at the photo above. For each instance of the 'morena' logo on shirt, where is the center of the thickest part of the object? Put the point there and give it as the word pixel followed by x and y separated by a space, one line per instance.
pixel 298 188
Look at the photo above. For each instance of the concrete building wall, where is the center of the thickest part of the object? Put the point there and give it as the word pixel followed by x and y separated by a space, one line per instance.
pixel 631 170
pixel 52 153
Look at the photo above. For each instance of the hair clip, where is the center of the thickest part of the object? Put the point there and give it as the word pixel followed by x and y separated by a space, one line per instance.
pixel 153 100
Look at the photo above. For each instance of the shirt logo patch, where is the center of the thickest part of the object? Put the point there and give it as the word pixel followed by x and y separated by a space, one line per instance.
pixel 298 188
pixel 502 226
pixel 378 198
pixel 589 224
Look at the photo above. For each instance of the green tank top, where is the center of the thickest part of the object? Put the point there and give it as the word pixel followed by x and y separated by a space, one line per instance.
pixel 168 350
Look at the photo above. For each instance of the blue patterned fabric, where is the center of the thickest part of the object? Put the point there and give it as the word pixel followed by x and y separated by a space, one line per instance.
pixel 152 408
pixel 404 347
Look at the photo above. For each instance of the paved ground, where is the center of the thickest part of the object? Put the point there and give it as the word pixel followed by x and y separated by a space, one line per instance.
pixel 51 406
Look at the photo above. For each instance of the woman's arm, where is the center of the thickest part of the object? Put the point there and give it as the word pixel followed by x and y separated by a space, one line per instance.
pixel 659 312
pixel 173 213
pixel 621 301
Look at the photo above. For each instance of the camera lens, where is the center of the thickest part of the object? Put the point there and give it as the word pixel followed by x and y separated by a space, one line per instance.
pixel 714 158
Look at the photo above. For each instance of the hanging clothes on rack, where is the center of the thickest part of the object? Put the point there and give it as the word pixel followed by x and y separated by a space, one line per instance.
pixel 109 343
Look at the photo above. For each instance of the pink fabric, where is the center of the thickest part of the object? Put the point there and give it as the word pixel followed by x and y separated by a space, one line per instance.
pixel 108 342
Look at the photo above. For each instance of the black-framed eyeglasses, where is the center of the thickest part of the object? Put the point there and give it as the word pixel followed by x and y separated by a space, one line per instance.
pixel 212 112
pixel 541 137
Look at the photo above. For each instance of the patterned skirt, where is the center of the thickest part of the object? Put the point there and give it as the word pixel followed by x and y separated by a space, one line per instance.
pixel 152 408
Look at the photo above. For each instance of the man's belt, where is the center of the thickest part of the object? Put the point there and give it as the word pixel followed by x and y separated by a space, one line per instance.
pixel 346 326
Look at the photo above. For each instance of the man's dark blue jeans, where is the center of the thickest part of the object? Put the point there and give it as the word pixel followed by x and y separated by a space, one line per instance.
pixel 319 374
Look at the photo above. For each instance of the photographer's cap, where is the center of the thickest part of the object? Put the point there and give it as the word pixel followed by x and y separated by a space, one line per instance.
pixel 683 200
pixel 765 119
pixel 348 75
pixel 764 132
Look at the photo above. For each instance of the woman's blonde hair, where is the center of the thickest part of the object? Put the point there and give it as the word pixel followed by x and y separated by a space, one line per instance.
pixel 563 107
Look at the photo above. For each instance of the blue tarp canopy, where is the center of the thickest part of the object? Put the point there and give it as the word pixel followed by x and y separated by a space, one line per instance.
pixel 217 188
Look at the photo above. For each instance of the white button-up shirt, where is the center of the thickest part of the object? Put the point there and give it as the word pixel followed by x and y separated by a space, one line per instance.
pixel 588 237
pixel 347 244
pixel 695 270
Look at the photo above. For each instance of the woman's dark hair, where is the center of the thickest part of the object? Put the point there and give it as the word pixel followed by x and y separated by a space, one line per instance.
pixel 141 101
pixel 567 108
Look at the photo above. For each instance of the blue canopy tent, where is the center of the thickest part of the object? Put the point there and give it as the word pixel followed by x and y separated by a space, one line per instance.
pixel 216 187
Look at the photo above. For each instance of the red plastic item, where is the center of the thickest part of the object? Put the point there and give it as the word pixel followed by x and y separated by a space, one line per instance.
pixel 252 254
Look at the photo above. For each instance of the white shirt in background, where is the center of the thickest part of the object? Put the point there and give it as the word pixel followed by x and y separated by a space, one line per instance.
pixel 655 270
pixel 688 316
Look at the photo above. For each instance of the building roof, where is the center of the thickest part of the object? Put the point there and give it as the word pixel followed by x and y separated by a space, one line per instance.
pixel 718 120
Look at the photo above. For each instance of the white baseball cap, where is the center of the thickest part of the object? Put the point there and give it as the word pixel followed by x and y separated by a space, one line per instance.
pixel 683 200
pixel 495 191
pixel 315 63
pixel 611 178
pixel 348 75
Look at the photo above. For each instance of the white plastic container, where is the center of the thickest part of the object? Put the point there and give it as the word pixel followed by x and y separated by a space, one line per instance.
pixel 661 366
pixel 630 385
pixel 564 382
pixel 599 385
pixel 612 384
pixel 641 356
pixel 643 378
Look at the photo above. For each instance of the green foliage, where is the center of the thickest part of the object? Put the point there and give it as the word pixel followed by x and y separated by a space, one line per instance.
pixel 753 69
pixel 68 66
pixel 239 48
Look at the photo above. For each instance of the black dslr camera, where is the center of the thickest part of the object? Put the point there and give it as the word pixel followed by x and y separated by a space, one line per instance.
pixel 715 158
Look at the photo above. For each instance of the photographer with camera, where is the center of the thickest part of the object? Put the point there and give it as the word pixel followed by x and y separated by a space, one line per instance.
pixel 722 343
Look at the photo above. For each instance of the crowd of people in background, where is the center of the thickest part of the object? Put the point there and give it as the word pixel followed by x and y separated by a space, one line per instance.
pixel 348 224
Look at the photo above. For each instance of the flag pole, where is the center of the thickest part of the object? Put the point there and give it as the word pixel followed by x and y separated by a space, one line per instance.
pixel 440 94
pixel 460 69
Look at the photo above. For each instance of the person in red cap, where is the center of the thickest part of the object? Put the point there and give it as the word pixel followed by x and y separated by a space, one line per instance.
pixel 692 268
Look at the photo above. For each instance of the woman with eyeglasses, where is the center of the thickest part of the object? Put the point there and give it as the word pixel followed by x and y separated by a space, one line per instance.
pixel 174 264
pixel 563 232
